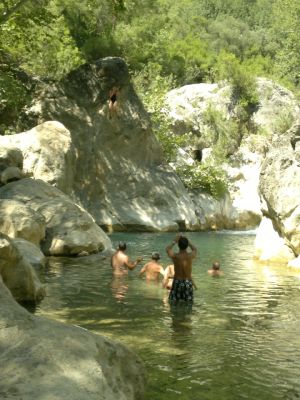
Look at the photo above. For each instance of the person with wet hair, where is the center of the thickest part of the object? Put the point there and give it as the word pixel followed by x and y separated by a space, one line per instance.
pixel 182 286
pixel 215 269
pixel 120 261
pixel 153 269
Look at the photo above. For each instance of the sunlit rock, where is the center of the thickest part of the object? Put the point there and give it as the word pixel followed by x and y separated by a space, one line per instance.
pixel 270 246
pixel 119 176
pixel 10 155
pixel 19 220
pixel 280 186
pixel 47 152
pixel 30 252
pixel 18 274
pixel 10 174
pixel 70 230
pixel 43 359
pixel 187 107
pixel 295 263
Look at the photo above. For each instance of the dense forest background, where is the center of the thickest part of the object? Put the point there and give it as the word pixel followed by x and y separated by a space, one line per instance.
pixel 166 43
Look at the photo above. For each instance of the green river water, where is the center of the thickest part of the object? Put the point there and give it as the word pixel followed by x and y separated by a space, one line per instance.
pixel 240 340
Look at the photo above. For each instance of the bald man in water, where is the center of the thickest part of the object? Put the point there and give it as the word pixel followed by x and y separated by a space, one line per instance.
pixel 215 270
pixel 120 262
pixel 182 287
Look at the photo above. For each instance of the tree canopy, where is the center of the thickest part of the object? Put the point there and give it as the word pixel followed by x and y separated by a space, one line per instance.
pixel 190 41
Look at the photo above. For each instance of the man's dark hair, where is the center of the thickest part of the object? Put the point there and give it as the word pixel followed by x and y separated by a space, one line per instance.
pixel 122 246
pixel 155 256
pixel 183 243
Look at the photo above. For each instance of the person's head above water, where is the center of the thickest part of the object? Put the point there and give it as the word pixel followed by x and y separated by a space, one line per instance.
pixel 122 246
pixel 216 265
pixel 183 243
pixel 155 256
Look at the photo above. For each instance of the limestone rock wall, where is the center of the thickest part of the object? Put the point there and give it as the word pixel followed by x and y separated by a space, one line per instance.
pixel 242 208
pixel 118 172
pixel 280 187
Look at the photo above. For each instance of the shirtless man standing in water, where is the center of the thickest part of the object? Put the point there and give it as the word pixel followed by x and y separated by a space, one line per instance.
pixel 120 262
pixel 182 287
pixel 153 269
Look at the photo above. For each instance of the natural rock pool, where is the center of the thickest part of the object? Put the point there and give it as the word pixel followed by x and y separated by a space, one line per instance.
pixel 241 340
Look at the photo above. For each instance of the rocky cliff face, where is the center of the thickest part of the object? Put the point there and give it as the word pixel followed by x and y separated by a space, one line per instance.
pixel 118 174
pixel 280 186
pixel 242 208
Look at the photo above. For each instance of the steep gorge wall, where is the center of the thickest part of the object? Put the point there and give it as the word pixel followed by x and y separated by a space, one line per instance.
pixel 118 174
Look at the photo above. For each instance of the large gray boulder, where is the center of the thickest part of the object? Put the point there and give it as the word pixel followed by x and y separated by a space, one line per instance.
pixel 43 359
pixel 118 172
pixel 18 274
pixel 47 153
pixel 280 186
pixel 10 156
pixel 19 220
pixel 70 230
pixel 31 253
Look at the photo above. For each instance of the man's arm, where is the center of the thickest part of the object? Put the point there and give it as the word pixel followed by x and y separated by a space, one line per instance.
pixel 132 264
pixel 194 250
pixel 169 249
pixel 143 270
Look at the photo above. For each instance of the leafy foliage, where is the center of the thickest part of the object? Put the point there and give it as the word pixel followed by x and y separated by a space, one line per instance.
pixel 204 176
pixel 166 43
pixel 152 88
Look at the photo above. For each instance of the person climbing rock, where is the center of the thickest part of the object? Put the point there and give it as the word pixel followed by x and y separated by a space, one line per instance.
pixel 113 102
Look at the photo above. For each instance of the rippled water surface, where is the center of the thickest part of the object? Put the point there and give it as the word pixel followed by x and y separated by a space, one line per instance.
pixel 240 340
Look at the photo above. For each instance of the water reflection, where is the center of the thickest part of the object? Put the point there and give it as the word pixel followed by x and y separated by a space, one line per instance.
pixel 243 328
pixel 119 287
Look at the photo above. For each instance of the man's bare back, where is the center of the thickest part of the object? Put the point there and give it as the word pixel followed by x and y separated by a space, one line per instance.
pixel 182 287
pixel 182 260
pixel 152 269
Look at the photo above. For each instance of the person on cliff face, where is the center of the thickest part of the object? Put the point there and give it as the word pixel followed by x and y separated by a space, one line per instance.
pixel 153 270
pixel 182 286
pixel 120 261
pixel 215 269
pixel 113 102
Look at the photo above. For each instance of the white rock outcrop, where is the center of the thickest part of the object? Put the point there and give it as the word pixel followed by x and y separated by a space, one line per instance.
pixel 48 153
